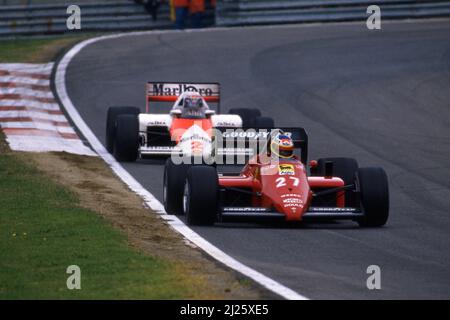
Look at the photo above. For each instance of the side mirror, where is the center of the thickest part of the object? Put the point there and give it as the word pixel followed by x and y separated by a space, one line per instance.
pixel 313 164
pixel 175 112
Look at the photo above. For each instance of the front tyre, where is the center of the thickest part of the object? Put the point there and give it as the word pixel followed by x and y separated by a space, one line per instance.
pixel 201 196
pixel 126 143
pixel 374 194
pixel 264 122
pixel 111 117
pixel 247 115
pixel 174 180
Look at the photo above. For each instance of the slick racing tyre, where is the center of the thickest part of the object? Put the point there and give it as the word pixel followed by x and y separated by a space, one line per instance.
pixel 248 116
pixel 344 168
pixel 111 117
pixel 374 194
pixel 126 142
pixel 174 180
pixel 201 196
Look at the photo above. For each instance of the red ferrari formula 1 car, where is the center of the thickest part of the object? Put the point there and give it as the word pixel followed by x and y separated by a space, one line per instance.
pixel 336 188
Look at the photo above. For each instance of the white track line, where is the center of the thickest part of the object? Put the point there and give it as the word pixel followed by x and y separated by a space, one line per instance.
pixel 134 185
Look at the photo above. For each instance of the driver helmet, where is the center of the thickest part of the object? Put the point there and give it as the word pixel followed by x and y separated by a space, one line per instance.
pixel 282 146
pixel 193 102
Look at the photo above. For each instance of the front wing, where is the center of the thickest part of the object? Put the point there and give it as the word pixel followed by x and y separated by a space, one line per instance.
pixel 249 213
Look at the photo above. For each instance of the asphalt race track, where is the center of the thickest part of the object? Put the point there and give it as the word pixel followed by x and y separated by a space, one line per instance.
pixel 382 97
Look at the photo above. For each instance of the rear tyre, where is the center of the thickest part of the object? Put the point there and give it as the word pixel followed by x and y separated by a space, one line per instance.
pixel 126 142
pixel 174 180
pixel 201 196
pixel 264 122
pixel 111 117
pixel 248 116
pixel 344 168
pixel 374 194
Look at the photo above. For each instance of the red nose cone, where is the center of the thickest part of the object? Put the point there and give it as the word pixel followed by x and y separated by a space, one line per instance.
pixel 293 213
pixel 286 188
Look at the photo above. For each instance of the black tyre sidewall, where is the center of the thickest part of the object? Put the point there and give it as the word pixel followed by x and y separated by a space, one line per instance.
pixel 203 185
pixel 111 117
pixel 374 194
pixel 174 181
pixel 248 116
pixel 264 122
pixel 126 142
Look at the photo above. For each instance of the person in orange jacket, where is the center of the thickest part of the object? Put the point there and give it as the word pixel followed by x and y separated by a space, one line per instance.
pixel 197 12
pixel 181 11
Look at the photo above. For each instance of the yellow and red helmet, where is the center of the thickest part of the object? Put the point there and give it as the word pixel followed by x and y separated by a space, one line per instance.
pixel 282 146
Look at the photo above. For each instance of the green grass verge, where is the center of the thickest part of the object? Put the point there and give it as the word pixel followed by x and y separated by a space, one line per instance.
pixel 36 50
pixel 43 231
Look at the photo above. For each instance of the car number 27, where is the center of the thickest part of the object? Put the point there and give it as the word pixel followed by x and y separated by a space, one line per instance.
pixel 282 181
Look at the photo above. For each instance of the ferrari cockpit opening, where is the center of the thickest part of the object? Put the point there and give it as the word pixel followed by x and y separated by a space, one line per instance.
pixel 282 146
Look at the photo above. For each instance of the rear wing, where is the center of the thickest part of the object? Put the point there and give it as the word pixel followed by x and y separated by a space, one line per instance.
pixel 298 135
pixel 170 91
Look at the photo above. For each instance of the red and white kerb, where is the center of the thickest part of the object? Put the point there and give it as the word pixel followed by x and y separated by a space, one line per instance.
pixel 29 115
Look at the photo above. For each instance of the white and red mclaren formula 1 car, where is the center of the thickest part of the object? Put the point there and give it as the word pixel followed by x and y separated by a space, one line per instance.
pixel 187 130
